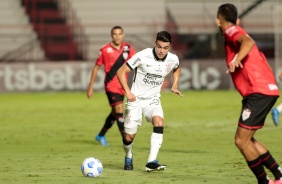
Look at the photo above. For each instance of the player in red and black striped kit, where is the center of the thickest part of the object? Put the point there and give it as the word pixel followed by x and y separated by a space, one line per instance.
pixel 255 81
pixel 112 55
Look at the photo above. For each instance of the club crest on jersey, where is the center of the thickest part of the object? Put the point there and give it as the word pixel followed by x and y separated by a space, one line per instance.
pixel 125 55
pixel 246 114
pixel 126 48
pixel 168 67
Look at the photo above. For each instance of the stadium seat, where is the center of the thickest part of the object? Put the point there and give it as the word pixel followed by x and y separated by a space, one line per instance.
pixel 15 32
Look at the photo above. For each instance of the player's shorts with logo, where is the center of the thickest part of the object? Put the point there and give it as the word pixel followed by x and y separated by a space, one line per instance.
pixel 149 107
pixel 255 109
pixel 114 98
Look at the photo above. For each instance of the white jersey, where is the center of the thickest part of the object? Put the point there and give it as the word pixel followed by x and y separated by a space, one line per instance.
pixel 150 72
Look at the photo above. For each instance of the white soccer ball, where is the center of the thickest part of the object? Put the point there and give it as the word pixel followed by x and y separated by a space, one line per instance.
pixel 91 167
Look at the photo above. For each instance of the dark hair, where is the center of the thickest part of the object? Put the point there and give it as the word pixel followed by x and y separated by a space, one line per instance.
pixel 116 27
pixel 163 36
pixel 228 12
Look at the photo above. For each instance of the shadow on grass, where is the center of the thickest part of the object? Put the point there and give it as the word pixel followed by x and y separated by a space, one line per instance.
pixel 182 151
pixel 136 147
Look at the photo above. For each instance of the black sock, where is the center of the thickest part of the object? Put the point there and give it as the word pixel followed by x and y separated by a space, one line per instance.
pixel 158 130
pixel 120 121
pixel 108 124
pixel 269 162
pixel 257 167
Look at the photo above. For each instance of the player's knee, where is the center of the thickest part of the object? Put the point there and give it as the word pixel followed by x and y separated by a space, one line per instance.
pixel 158 121
pixel 241 143
pixel 117 109
pixel 128 138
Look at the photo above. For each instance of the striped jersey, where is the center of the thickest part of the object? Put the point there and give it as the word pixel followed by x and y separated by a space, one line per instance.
pixel 113 59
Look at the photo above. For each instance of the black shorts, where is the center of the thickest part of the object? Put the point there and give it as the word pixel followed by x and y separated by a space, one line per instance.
pixel 255 109
pixel 114 98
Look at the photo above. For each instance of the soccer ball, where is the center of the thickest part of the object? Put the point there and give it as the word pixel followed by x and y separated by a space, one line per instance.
pixel 91 167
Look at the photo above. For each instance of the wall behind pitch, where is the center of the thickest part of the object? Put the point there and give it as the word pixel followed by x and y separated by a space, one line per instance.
pixel 74 76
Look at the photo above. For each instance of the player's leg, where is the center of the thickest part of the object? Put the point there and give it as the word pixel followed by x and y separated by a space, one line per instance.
pixel 254 112
pixel 275 114
pixel 267 160
pixel 128 139
pixel 117 111
pixel 116 102
pixel 154 113
pixel 156 142
pixel 243 141
pixel 107 125
pixel 156 137
pixel 132 119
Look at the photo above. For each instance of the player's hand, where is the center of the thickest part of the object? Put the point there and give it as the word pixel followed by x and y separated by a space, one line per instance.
pixel 174 90
pixel 131 97
pixel 89 93
pixel 235 63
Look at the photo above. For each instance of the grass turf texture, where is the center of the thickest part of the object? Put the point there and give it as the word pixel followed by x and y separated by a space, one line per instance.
pixel 44 138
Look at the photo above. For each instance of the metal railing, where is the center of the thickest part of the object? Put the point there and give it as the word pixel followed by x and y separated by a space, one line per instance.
pixel 22 53
pixel 79 36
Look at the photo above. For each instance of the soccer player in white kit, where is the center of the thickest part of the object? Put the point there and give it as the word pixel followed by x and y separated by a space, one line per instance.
pixel 151 66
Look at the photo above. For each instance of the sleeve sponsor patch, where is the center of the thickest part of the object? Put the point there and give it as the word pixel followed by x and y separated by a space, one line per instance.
pixel 231 31
pixel 135 62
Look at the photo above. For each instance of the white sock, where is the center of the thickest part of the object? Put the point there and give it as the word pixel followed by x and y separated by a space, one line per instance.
pixel 279 107
pixel 156 142
pixel 127 150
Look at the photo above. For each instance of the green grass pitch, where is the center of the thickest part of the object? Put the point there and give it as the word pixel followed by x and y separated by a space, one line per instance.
pixel 44 137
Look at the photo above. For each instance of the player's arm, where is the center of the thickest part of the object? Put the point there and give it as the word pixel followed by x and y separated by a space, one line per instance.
pixel 247 44
pixel 176 76
pixel 92 80
pixel 121 74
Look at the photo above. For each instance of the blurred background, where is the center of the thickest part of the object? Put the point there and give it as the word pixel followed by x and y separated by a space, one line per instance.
pixel 51 45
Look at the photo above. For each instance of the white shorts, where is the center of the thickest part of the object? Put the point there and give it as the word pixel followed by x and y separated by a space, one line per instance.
pixel 134 110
